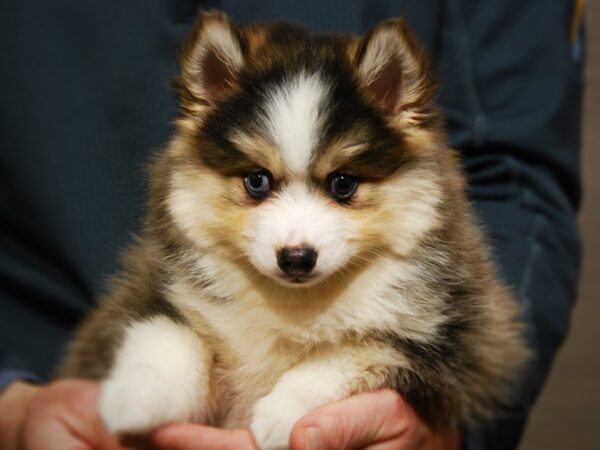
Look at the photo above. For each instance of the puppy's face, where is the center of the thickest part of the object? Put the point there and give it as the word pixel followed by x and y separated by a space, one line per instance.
pixel 300 156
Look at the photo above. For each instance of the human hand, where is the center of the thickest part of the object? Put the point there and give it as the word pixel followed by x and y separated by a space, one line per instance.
pixel 377 420
pixel 61 415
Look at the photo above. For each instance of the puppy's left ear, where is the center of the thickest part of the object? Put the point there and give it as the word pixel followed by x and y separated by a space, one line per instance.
pixel 395 70
pixel 211 61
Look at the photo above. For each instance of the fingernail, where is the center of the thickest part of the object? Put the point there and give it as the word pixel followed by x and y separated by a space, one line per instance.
pixel 312 439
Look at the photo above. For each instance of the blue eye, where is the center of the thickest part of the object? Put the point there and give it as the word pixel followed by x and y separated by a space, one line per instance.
pixel 342 186
pixel 258 184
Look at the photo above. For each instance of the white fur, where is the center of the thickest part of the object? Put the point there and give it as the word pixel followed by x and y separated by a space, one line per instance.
pixel 417 214
pixel 298 216
pixel 293 119
pixel 299 391
pixel 160 375
pixel 252 327
pixel 370 302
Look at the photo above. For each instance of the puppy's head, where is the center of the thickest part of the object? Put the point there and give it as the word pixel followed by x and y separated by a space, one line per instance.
pixel 303 156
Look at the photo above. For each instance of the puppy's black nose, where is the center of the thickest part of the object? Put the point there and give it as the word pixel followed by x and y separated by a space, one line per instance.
pixel 297 261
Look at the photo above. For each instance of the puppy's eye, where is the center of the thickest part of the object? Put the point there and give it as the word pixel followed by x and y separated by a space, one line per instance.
pixel 342 186
pixel 258 184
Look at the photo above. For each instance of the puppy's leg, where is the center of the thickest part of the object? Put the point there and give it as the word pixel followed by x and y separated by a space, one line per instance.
pixel 313 383
pixel 160 375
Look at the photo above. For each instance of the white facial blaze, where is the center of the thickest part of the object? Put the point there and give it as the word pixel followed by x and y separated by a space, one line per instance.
pixel 297 216
pixel 293 118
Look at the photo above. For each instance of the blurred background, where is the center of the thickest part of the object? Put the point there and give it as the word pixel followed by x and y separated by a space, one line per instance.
pixel 567 416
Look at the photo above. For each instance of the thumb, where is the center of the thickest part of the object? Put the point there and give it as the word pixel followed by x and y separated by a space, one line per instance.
pixel 355 422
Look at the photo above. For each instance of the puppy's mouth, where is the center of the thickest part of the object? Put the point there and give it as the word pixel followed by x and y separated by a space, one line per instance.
pixel 298 280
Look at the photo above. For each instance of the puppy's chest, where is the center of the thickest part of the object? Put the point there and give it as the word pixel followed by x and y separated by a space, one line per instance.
pixel 250 353
pixel 261 354
pixel 246 367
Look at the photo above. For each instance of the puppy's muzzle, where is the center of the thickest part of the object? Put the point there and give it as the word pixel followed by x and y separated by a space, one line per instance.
pixel 297 261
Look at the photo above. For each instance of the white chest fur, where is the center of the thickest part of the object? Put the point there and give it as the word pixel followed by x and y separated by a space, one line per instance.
pixel 259 360
pixel 259 335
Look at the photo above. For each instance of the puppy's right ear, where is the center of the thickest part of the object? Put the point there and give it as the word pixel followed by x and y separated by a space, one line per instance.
pixel 211 61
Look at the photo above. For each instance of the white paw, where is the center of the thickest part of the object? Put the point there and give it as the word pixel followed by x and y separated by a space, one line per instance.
pixel 136 400
pixel 274 417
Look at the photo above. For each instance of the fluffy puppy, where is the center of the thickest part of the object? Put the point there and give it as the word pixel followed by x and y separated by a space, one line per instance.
pixel 308 237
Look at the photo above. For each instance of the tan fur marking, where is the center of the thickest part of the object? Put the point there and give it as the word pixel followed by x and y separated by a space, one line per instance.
pixel 262 151
pixel 338 153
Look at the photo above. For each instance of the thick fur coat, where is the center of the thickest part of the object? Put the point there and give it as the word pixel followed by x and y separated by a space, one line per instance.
pixel 330 147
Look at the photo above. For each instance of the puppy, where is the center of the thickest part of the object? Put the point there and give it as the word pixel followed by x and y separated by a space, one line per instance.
pixel 308 237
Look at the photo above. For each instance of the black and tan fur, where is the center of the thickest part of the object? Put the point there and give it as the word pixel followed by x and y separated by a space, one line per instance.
pixel 456 350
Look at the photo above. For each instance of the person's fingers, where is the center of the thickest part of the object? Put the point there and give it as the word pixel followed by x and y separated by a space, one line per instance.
pixel 81 418
pixel 355 422
pixel 52 435
pixel 14 402
pixel 200 437
pixel 64 416
pixel 56 434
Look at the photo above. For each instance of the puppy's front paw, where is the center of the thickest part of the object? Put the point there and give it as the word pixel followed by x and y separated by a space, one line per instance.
pixel 140 399
pixel 273 420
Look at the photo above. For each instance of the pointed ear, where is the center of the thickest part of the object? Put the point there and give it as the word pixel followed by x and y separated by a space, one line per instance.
pixel 395 70
pixel 211 60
